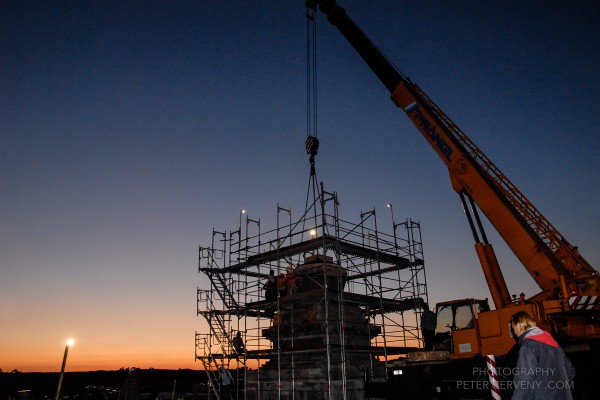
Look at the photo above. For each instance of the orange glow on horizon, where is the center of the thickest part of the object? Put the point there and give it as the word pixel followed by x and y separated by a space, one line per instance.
pixel 82 359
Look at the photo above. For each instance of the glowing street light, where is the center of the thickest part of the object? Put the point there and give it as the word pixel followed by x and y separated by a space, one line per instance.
pixel 242 212
pixel 70 343
pixel 391 207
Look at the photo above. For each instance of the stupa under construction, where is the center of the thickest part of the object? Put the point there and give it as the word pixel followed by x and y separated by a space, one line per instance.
pixel 313 308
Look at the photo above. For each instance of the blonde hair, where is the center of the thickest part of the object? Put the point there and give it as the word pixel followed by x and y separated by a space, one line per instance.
pixel 523 320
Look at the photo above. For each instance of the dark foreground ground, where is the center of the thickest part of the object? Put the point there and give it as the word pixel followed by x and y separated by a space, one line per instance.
pixel 104 385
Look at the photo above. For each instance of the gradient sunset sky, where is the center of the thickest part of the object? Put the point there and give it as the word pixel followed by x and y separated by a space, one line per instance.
pixel 129 129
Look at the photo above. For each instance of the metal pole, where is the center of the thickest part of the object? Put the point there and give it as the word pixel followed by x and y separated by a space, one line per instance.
pixel 242 212
pixel 62 371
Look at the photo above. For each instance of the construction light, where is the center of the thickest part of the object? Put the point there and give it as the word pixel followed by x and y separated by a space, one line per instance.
pixel 242 212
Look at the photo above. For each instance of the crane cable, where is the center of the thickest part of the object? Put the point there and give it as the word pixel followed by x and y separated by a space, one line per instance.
pixel 312 143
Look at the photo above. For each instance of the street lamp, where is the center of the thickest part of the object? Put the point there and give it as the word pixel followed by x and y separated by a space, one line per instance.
pixel 62 369
pixel 391 207
pixel 242 212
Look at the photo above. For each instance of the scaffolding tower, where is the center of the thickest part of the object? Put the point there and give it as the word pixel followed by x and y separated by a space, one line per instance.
pixel 321 304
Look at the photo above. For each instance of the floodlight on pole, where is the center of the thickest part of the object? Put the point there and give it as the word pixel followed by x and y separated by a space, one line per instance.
pixel 242 212
pixel 391 207
pixel 313 234
pixel 70 343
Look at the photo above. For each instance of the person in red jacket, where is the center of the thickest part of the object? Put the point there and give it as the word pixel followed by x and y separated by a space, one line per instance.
pixel 290 280
pixel 543 370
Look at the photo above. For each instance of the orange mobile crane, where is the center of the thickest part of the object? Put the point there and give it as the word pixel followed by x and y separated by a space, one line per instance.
pixel 568 304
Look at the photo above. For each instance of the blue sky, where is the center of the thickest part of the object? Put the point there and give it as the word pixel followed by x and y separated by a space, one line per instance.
pixel 128 130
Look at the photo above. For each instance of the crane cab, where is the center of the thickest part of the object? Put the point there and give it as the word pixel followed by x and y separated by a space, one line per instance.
pixel 457 328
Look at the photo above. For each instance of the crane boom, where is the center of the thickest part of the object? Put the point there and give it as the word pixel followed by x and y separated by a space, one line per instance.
pixel 555 264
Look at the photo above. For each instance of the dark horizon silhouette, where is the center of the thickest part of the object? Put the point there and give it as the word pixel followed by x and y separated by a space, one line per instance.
pixel 99 383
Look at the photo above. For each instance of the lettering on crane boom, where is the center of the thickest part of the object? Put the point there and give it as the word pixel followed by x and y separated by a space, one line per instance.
pixel 429 128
